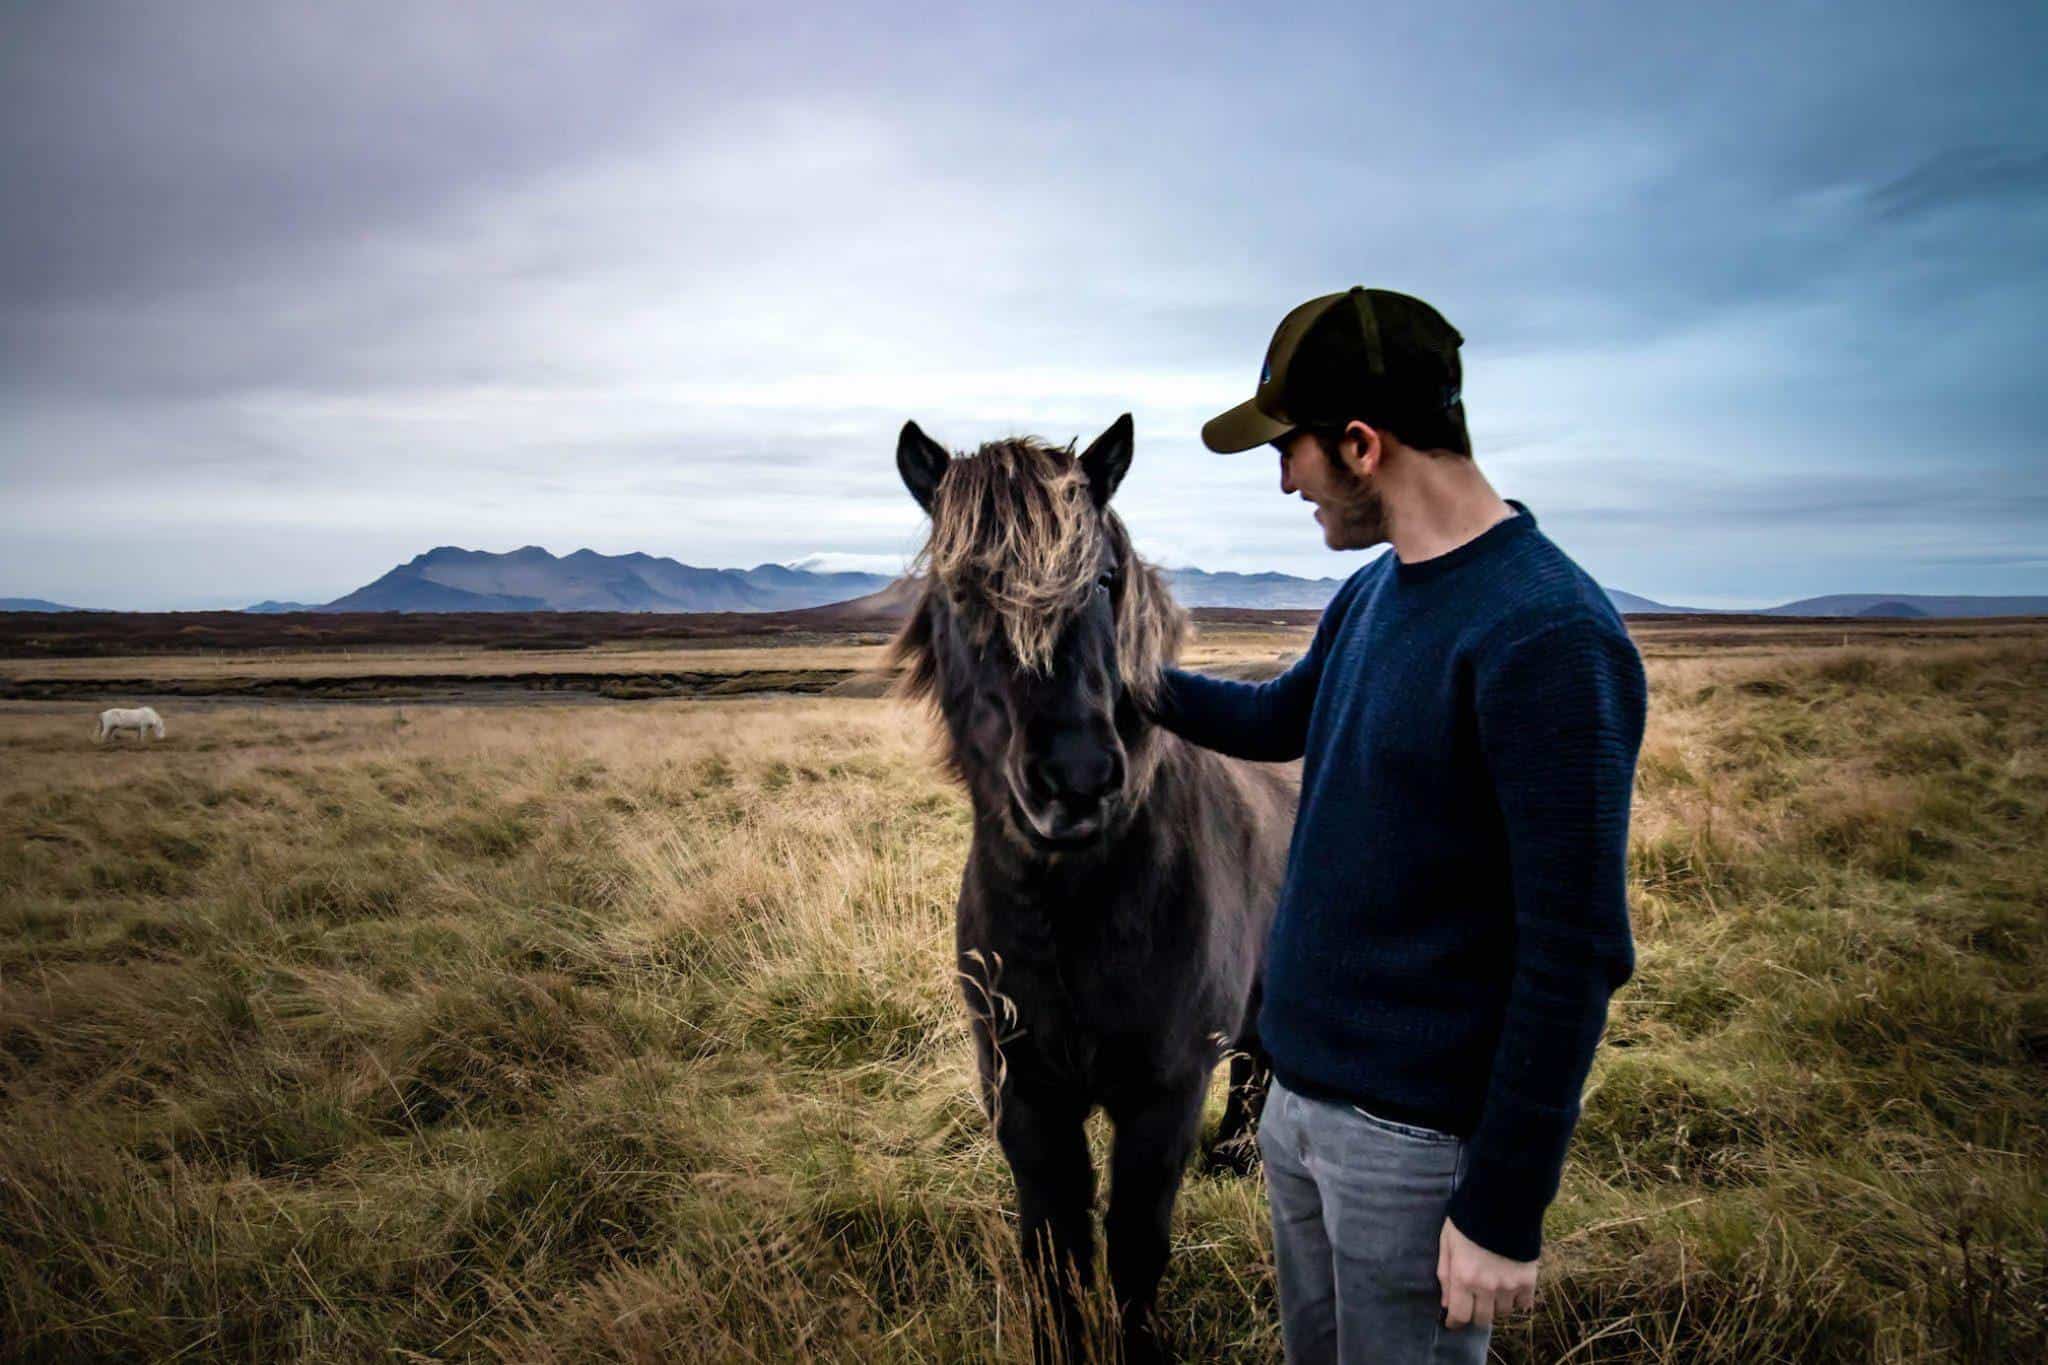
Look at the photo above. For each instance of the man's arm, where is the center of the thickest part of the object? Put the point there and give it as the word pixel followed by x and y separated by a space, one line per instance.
pixel 1267 721
pixel 1561 715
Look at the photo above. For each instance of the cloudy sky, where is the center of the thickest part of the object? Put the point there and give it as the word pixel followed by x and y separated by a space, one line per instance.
pixel 1755 296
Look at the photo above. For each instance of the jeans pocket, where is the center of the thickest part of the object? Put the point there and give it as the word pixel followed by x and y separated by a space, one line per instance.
pixel 1413 1132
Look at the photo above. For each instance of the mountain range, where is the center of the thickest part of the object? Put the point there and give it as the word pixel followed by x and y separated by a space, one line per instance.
pixel 33 604
pixel 1196 588
pixel 531 579
pixel 1869 605
pixel 450 578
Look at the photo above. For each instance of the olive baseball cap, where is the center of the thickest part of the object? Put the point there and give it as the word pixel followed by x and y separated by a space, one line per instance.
pixel 1364 353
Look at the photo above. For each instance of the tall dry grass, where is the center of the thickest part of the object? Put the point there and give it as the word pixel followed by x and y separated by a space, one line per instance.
pixel 631 1033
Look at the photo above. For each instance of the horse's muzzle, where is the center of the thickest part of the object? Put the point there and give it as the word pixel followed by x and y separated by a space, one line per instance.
pixel 1061 814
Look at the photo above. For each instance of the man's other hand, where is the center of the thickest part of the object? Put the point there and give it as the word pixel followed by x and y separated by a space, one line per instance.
pixel 1479 1286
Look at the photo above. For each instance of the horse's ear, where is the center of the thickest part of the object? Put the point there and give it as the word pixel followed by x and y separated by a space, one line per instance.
pixel 1105 461
pixel 922 463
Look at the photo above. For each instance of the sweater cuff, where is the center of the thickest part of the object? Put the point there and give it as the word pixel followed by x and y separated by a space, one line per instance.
pixel 1501 1200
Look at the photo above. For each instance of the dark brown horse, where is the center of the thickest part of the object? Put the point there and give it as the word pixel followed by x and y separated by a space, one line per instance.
pixel 1113 914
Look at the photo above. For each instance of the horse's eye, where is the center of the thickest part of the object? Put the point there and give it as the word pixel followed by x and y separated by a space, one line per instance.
pixel 1103 581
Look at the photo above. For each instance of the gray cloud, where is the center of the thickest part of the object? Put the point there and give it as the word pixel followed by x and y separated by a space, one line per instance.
pixel 1964 175
pixel 348 281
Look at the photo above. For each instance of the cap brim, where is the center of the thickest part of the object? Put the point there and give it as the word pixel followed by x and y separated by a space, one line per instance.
pixel 1242 428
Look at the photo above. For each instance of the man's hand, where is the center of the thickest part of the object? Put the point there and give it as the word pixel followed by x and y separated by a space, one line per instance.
pixel 1479 1286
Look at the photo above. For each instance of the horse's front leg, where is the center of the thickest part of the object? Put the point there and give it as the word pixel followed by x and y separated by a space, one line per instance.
pixel 1155 1135
pixel 1043 1135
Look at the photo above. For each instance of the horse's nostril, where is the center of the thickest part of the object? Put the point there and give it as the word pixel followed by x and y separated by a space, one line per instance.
pixel 1105 783
pixel 1116 774
pixel 1083 781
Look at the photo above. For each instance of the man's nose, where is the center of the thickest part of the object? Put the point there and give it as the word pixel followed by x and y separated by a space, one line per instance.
pixel 1286 477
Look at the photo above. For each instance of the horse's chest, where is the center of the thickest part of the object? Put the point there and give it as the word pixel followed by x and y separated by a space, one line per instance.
pixel 1106 1015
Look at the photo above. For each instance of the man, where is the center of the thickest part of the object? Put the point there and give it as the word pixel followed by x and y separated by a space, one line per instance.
pixel 1453 918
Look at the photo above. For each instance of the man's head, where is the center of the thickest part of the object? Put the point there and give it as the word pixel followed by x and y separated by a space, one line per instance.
pixel 1354 386
pixel 1330 470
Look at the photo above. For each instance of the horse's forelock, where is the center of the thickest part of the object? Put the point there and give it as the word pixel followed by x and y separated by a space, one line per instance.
pixel 1015 532
pixel 1015 529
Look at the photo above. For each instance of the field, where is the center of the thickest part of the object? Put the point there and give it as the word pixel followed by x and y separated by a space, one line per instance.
pixel 500 657
pixel 629 1031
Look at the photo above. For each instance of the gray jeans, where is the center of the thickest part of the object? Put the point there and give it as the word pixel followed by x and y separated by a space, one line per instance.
pixel 1358 1206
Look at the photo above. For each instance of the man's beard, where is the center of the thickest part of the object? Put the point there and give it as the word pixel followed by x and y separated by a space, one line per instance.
pixel 1357 508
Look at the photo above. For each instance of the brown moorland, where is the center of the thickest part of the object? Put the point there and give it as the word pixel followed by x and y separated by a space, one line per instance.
pixel 509 657
pixel 629 1032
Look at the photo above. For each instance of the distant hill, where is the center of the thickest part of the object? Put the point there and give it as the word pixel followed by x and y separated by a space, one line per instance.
pixel 34 604
pixel 875 610
pixel 879 613
pixel 530 579
pixel 1628 604
pixel 1857 604
pixel 1196 588
pixel 278 608
pixel 1893 605
pixel 1892 608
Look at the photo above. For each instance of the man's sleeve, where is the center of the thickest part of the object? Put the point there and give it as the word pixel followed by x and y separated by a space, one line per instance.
pixel 1561 716
pixel 1265 721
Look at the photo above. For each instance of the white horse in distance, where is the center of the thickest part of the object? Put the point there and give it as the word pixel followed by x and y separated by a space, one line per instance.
pixel 143 720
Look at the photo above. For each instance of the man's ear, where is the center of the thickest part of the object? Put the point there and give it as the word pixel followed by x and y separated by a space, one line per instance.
pixel 922 462
pixel 1105 461
pixel 1362 448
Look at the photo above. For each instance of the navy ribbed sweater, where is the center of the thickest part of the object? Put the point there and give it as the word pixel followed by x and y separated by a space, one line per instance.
pixel 1453 918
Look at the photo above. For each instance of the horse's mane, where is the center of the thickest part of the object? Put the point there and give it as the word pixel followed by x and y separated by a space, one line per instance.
pixel 1015 529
